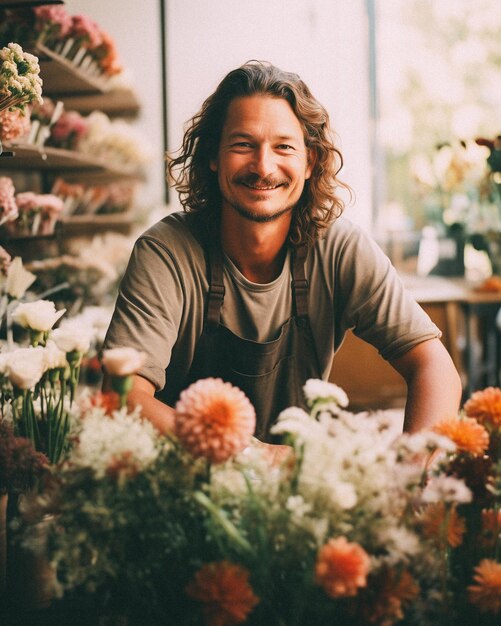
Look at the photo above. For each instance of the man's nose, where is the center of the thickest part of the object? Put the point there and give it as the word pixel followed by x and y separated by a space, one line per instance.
pixel 263 162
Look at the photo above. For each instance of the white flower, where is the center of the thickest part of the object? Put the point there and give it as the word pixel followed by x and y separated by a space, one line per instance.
pixel 123 361
pixel 446 489
pixel 39 315
pixel 18 279
pixel 25 367
pixel 73 337
pixel 104 440
pixel 297 506
pixel 400 542
pixel 54 358
pixel 315 389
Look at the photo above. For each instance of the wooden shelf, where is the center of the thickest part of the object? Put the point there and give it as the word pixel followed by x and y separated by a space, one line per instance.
pixel 61 76
pixel 120 102
pixel 50 159
pixel 18 4
pixel 81 225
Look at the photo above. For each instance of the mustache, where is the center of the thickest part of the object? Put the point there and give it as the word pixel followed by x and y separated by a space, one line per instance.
pixel 254 179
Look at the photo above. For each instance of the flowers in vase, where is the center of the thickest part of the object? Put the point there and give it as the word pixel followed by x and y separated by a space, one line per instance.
pixel 20 83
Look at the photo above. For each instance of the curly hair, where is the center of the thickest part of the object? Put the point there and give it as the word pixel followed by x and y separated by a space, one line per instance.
pixel 197 184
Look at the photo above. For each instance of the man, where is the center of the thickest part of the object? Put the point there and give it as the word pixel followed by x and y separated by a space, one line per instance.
pixel 258 280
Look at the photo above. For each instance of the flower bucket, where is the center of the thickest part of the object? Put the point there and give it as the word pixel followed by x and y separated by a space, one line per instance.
pixel 31 581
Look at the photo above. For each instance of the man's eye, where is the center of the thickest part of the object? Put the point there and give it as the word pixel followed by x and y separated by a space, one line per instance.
pixel 285 146
pixel 242 144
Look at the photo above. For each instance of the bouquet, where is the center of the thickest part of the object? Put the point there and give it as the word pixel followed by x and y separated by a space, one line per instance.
pixel 20 83
pixel 357 525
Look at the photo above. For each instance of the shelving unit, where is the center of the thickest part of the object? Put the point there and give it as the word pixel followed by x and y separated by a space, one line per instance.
pixel 19 4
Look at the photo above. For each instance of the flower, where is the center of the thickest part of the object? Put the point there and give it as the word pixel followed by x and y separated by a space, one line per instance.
pixel 20 82
pixel 225 592
pixel 491 527
pixel 53 22
pixel 486 593
pixel 54 358
pixel 14 124
pixel 40 315
pixel 25 367
pixel 19 462
pixel 214 419
pixel 485 406
pixel 342 568
pixel 446 489
pixel 8 206
pixel 123 361
pixel 5 260
pixel 394 590
pixel 321 390
pixel 18 279
pixel 109 401
pixel 72 337
pixel 466 433
pixel 443 523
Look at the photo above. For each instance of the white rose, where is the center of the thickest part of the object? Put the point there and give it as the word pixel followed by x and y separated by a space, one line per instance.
pixel 54 358
pixel 25 367
pixel 40 315
pixel 18 279
pixel 123 361
pixel 73 337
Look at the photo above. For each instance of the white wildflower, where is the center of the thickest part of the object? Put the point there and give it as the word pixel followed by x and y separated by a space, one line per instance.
pixel 446 489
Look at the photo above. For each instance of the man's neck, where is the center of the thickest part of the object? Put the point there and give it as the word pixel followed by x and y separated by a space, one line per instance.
pixel 257 249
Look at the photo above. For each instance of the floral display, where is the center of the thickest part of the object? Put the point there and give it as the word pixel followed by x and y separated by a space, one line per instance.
pixel 8 206
pixel 14 124
pixel 460 191
pixel 20 83
pixel 360 525
pixel 52 22
pixel 68 130
pixel 114 197
pixel 38 213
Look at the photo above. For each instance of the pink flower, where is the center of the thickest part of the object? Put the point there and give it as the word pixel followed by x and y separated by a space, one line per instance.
pixel 68 129
pixel 214 420
pixel 28 201
pixel 342 568
pixel 86 31
pixel 54 21
pixel 14 124
pixel 8 206
pixel 5 260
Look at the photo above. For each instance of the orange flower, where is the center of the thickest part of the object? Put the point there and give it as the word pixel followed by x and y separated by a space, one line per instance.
pixel 392 591
pixel 225 592
pixel 109 401
pixel 485 406
pixel 341 568
pixel 439 522
pixel 466 433
pixel 486 594
pixel 214 420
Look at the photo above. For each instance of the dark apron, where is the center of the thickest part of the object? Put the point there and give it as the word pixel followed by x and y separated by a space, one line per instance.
pixel 271 374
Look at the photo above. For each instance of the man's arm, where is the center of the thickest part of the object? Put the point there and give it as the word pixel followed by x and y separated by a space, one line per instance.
pixel 433 384
pixel 159 414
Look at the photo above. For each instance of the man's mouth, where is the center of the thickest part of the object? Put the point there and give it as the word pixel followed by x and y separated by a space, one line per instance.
pixel 262 185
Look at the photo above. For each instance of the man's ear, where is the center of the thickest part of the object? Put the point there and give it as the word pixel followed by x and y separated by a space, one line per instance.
pixel 213 165
pixel 312 159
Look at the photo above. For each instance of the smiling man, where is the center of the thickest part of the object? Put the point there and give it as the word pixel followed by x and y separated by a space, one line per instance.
pixel 259 278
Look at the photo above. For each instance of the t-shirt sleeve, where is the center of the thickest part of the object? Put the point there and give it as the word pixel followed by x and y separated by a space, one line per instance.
pixel 378 307
pixel 148 308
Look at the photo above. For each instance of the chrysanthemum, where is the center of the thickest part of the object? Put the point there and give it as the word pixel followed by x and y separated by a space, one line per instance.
pixel 439 522
pixel 214 420
pixel 485 406
pixel 486 593
pixel 392 592
pixel 341 568
pixel 466 433
pixel 225 592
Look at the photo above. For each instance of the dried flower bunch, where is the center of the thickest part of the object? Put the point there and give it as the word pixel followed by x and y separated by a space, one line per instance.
pixel 357 527
pixel 20 82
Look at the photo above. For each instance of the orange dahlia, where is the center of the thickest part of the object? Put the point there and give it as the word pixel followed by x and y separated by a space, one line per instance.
pixel 486 593
pixel 485 406
pixel 439 522
pixel 341 568
pixel 214 420
pixel 393 591
pixel 224 590
pixel 466 433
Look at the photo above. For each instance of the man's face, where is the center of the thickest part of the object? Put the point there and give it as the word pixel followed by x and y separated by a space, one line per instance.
pixel 262 162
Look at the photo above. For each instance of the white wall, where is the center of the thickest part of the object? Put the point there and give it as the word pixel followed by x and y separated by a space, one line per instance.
pixel 324 41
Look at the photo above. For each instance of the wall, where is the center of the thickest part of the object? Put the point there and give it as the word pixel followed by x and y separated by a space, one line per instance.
pixel 322 40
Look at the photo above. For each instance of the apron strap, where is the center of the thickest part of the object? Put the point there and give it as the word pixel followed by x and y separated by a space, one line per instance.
pixel 216 286
pixel 299 282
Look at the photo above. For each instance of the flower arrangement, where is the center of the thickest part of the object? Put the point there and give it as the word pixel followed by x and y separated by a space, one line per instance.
pixel 459 188
pixel 20 83
pixel 358 525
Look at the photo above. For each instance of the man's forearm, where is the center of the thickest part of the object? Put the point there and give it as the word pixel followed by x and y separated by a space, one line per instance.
pixel 158 413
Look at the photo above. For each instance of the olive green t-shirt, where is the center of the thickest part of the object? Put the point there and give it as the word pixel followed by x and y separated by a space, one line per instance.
pixel 161 302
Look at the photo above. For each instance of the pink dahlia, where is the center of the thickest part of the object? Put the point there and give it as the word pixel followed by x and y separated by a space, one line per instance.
pixel 214 420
